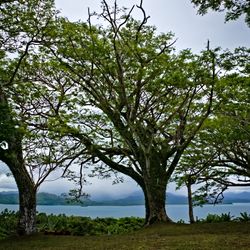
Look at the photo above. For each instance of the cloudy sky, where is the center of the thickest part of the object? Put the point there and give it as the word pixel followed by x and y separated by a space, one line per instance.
pixel 192 31
pixel 177 16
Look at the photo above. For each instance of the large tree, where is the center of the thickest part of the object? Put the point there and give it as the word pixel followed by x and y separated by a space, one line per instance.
pixel 193 169
pixel 136 104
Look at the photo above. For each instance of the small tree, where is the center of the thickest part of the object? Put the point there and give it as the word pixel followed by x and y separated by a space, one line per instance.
pixel 193 169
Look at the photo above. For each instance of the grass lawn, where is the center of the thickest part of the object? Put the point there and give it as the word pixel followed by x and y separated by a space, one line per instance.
pixel 177 236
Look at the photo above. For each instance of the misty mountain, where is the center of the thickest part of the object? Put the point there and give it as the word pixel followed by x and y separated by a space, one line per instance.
pixel 242 197
pixel 9 198
pixel 135 198
pixel 42 198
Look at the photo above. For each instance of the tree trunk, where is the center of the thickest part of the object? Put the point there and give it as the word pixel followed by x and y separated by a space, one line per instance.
pixel 190 201
pixel 27 198
pixel 26 187
pixel 27 210
pixel 155 198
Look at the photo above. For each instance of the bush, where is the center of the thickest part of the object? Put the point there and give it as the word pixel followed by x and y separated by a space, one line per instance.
pixel 125 225
pixel 70 225
pixel 76 225
pixel 213 218
pixel 8 223
pixel 244 217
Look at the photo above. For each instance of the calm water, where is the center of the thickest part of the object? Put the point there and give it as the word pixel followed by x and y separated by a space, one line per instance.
pixel 176 212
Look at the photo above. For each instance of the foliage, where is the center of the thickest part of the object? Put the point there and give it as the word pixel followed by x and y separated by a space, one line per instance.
pixel 234 9
pixel 218 158
pixel 71 225
pixel 225 217
pixel 8 223
pixel 214 218
pixel 83 226
pixel 244 217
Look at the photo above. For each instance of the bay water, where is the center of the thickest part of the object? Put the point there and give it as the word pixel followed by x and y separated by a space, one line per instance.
pixel 175 212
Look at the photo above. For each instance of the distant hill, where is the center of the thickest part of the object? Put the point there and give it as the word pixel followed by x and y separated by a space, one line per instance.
pixel 9 198
pixel 135 198
pixel 42 198
pixel 50 199
pixel 242 197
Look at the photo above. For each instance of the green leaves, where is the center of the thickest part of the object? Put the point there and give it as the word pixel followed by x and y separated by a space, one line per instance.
pixel 218 157
pixel 234 9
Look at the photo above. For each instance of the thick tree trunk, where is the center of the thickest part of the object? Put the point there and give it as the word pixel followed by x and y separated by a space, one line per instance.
pixel 27 197
pixel 27 210
pixel 155 198
pixel 26 187
pixel 27 191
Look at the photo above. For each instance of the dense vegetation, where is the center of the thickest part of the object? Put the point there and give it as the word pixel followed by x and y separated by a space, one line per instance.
pixel 71 225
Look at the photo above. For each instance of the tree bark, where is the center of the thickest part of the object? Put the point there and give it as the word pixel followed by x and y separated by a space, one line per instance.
pixel 190 200
pixel 27 201
pixel 27 194
pixel 27 211
pixel 155 202
pixel 27 190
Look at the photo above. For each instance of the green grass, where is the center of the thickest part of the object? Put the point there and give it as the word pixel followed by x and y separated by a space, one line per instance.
pixel 231 235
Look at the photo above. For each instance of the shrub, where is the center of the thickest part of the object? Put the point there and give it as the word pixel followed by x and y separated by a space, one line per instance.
pixel 244 217
pixel 76 225
pixel 8 223
pixel 213 218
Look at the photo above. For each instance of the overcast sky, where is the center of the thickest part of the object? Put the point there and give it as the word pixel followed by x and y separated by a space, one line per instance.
pixel 177 16
pixel 191 30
